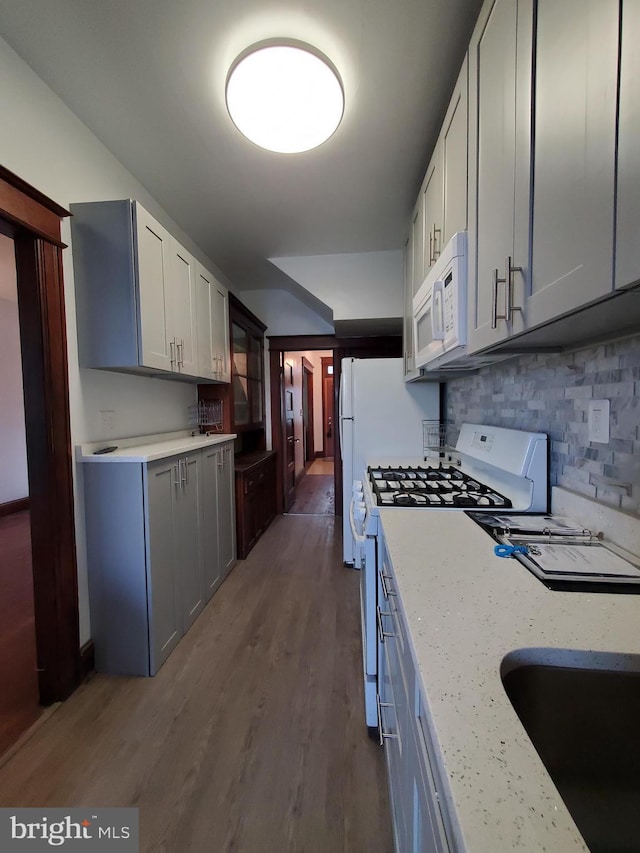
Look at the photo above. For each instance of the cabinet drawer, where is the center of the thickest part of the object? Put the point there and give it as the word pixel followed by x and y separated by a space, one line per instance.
pixel 395 623
pixel 425 751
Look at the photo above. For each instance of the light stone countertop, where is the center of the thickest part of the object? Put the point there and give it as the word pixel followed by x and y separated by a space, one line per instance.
pixel 466 609
pixel 148 448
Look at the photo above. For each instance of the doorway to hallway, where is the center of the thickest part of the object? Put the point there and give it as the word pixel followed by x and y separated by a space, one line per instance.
pixel 308 417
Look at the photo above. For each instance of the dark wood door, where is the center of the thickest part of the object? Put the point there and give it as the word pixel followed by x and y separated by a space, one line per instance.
pixel 328 419
pixel 289 437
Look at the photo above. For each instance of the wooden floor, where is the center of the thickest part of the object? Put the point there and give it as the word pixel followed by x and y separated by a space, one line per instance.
pixel 251 738
pixel 18 674
pixel 322 465
pixel 315 493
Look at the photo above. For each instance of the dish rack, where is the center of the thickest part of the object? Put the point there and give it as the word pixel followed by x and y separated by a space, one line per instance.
pixel 207 416
pixel 437 442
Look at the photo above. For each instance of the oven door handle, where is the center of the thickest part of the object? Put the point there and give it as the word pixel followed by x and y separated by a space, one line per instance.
pixel 357 537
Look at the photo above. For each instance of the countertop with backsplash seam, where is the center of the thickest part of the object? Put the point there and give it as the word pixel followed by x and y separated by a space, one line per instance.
pixel 467 609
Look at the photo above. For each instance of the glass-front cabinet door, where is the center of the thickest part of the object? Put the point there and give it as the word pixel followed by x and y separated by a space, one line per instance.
pixel 248 375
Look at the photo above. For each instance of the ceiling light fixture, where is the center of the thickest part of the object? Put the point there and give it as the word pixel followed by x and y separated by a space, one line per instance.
pixel 285 96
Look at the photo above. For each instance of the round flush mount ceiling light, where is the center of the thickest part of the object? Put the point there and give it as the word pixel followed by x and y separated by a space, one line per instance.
pixel 285 96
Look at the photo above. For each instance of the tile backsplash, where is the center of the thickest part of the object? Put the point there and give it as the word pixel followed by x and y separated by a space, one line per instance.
pixel 550 393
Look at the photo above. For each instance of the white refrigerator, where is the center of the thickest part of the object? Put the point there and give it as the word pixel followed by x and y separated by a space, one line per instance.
pixel 380 415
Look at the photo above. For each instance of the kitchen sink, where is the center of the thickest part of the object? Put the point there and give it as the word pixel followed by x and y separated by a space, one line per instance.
pixel 585 725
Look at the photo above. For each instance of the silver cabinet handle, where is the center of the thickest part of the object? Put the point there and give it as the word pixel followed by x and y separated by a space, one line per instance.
pixel 431 246
pixel 221 458
pixel 172 352
pixel 183 472
pixel 382 634
pixel 384 735
pixel 508 273
pixel 494 300
pixel 180 348
pixel 176 471
pixel 436 241
pixel 385 589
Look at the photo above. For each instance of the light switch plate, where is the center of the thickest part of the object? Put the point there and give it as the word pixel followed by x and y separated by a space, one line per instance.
pixel 599 421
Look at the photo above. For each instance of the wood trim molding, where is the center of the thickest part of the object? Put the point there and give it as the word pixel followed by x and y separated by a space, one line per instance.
pixel 25 206
pixel 87 660
pixel 307 365
pixel 35 226
pixel 11 507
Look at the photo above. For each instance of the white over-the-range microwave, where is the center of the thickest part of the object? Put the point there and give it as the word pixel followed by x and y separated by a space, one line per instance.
pixel 440 308
pixel 440 315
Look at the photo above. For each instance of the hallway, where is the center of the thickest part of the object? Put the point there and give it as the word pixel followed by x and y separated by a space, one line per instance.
pixel 315 494
pixel 251 737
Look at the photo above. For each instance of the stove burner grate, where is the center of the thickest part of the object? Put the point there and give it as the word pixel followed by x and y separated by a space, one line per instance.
pixel 444 486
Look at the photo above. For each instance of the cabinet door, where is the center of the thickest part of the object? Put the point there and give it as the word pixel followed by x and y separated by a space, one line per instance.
pixel 417 245
pixel 188 551
pixel 211 519
pixel 226 510
pixel 220 331
pixel 499 178
pixel 576 64
pixel 154 290
pixel 204 295
pixel 164 590
pixel 628 216
pixel 410 371
pixel 432 206
pixel 454 160
pixel 183 310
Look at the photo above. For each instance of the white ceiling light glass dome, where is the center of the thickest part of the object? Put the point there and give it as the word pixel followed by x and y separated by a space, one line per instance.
pixel 285 96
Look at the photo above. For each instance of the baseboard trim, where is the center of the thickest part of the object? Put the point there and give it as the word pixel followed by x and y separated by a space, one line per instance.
pixel 11 507
pixel 87 660
pixel 319 454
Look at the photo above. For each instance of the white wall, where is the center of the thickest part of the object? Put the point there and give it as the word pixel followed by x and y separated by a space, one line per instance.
pixel 43 142
pixel 14 481
pixel 283 314
pixel 359 286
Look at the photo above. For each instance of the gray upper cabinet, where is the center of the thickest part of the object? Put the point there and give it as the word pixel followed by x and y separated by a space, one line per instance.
pixel 135 292
pixel 454 147
pixel 499 178
pixel 628 213
pixel 440 211
pixel 575 85
pixel 431 203
pixel 212 300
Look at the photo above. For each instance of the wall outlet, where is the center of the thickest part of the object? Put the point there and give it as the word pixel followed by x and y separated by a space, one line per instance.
pixel 599 421
pixel 107 422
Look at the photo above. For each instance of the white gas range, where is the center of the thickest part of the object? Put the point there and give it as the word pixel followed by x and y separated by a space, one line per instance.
pixel 491 469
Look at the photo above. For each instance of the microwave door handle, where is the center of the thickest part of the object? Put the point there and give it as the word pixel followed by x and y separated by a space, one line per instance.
pixel 437 312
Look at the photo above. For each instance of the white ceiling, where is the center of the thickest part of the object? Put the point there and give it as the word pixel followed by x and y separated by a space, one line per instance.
pixel 147 76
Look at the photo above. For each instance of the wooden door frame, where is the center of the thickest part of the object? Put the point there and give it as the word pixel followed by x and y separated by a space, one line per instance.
pixel 325 361
pixel 364 347
pixel 308 426
pixel 33 222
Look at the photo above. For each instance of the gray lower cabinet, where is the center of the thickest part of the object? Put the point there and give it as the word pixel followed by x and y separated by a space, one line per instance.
pixel 160 540
pixel 219 538
pixel 420 819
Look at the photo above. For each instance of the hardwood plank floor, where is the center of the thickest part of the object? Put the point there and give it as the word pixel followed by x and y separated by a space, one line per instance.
pixel 315 495
pixel 19 706
pixel 322 465
pixel 251 737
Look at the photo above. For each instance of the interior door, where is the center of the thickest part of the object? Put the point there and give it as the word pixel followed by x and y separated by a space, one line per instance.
pixel 328 414
pixel 289 436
